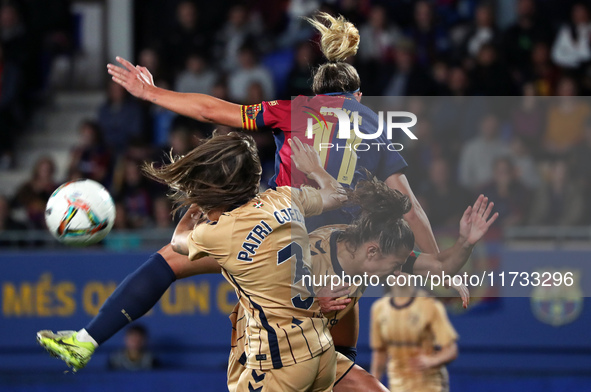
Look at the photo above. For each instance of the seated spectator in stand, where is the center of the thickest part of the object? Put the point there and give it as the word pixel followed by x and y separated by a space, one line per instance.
pixel 482 31
pixel 134 356
pixel 519 38
pixel 120 118
pixel 479 154
pixel 186 37
pixel 298 81
pixel 408 78
pixel 430 39
pixel 559 201
pixel 7 223
pixel 572 47
pixel 526 169
pixel 15 38
pixel 235 34
pixel 567 116
pixel 197 77
pixel 543 73
pixel 489 76
pixel 132 189
pixel 11 107
pixel 149 58
pixel 510 196
pixel 33 194
pixel 162 213
pixel 581 163
pixel 249 71
pixel 443 199
pixel 528 117
pixel 90 157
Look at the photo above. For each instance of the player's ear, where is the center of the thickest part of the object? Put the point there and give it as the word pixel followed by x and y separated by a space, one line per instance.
pixel 372 251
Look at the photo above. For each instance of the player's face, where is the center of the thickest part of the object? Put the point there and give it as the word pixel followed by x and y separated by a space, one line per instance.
pixel 381 265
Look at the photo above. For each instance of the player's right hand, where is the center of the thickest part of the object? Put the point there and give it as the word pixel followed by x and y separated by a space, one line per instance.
pixel 333 300
pixel 134 79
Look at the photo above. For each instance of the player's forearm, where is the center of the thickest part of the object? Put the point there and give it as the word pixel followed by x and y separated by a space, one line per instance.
pixel 444 356
pixel 378 363
pixel 453 259
pixel 201 107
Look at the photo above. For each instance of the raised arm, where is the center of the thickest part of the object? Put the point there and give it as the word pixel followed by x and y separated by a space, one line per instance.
pixel 139 82
pixel 307 160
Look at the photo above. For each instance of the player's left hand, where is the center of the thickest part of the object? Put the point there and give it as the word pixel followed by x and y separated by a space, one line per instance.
pixel 305 158
pixel 134 79
pixel 479 220
pixel 421 362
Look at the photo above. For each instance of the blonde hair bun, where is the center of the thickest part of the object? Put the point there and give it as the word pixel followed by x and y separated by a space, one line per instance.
pixel 339 38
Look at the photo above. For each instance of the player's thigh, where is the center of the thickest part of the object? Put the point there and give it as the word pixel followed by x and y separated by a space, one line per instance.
pixel 183 267
pixel 326 371
pixel 314 375
pixel 357 380
pixel 235 370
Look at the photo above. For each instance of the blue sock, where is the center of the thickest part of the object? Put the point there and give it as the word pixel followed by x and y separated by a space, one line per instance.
pixel 137 294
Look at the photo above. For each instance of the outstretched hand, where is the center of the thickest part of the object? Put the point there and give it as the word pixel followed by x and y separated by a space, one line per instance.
pixel 305 158
pixel 134 79
pixel 475 222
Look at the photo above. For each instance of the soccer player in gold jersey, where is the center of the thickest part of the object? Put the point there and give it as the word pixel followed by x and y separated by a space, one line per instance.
pixel 412 337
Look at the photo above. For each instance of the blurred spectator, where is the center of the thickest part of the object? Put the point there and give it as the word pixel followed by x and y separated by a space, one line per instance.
pixel 197 77
pixel 559 201
pixel 543 73
pixel 255 94
pixel 376 48
pixel 131 188
pixel 430 39
pixel 33 194
pixel 186 37
pixel 121 220
pixel 479 154
pixel 149 58
pixel 11 107
pixel 134 356
pixel 161 119
pixel 162 213
pixel 299 81
pixel 482 31
pixel 7 223
pixel 526 170
pixel 120 118
pixel 528 116
pixel 489 76
pixel 440 190
pixel 408 78
pixel 510 196
pixel 572 45
pixel 237 32
pixel 250 71
pixel 90 158
pixel 14 36
pixel 567 116
pixel 519 39
pixel 180 141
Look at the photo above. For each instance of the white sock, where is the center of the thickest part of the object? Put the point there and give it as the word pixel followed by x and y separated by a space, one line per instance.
pixel 83 336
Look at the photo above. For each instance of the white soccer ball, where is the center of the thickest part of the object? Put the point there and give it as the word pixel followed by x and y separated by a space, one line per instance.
pixel 80 212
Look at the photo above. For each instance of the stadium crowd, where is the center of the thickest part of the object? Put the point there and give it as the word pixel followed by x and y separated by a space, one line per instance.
pixel 532 158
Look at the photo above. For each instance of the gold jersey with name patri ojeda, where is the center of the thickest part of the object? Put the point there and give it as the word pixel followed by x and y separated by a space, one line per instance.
pixel 405 328
pixel 263 250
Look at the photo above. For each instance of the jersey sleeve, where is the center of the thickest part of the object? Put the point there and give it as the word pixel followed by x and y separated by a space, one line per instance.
pixel 209 239
pixel 443 332
pixel 267 114
pixel 376 341
pixel 307 199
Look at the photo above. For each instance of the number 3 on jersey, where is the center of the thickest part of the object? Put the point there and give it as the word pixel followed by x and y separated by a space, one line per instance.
pixel 295 250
